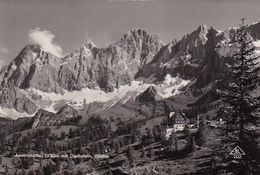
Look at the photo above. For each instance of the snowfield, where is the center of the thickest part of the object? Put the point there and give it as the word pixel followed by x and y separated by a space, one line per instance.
pixel 257 50
pixel 169 87
pixel 90 95
pixel 12 113
pixel 172 85
pixel 257 43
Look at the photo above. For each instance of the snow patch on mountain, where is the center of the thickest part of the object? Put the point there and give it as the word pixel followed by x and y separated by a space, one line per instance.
pixel 169 87
pixel 50 101
pixel 256 43
pixel 12 113
pixel 172 85
pixel 75 98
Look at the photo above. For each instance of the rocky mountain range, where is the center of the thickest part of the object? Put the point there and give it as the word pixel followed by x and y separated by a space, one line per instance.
pixel 35 78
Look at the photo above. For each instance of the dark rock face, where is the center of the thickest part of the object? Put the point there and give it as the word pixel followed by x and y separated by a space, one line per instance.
pixel 195 55
pixel 150 94
pixel 255 30
pixel 184 57
pixel 45 118
pixel 14 98
pixel 67 112
pixel 89 66
pixel 32 68
pixel 200 56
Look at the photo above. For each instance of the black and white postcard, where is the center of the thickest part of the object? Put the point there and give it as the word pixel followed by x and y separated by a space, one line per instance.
pixel 129 87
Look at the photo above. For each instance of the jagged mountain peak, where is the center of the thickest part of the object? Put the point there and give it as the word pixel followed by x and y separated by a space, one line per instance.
pixel 83 51
pixel 37 49
pixel 137 31
pixel 28 52
pixel 213 29
pixel 32 47
pixel 89 44
pixel 31 68
pixel 254 30
pixel 33 53
pixel 66 108
pixel 203 28
pixel 150 94
pixel 197 37
pixel 137 54
pixel 151 90
pixel 201 33
pixel 138 35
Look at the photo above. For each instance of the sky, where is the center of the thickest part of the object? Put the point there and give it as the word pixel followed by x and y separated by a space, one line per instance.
pixel 62 26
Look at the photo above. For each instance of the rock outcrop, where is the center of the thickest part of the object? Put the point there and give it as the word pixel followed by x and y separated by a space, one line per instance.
pixel 33 67
pixel 45 118
pixel 105 67
pixel 89 66
pixel 200 57
pixel 14 98
pixel 149 95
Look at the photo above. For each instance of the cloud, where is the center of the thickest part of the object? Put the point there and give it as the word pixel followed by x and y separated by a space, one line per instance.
pixel 45 39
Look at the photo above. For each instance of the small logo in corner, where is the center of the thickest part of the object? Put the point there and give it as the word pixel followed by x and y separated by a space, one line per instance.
pixel 237 152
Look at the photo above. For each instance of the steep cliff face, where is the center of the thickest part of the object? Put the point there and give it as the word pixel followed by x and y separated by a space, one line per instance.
pixel 254 30
pixel 201 55
pixel 45 118
pixel 33 67
pixel 88 66
pixel 14 98
pixel 150 94
pixel 183 57
pixel 198 58
pixel 219 48
pixel 106 67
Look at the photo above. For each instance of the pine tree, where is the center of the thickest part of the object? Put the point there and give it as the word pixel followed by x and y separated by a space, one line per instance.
pixel 200 135
pixel 117 83
pixel 149 136
pixel 102 147
pixel 97 148
pixel 143 154
pixel 244 72
pixel 117 146
pixel 176 148
pixel 243 105
pixel 71 133
pixel 173 142
pixel 84 105
pixel 151 152
pixel 131 155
